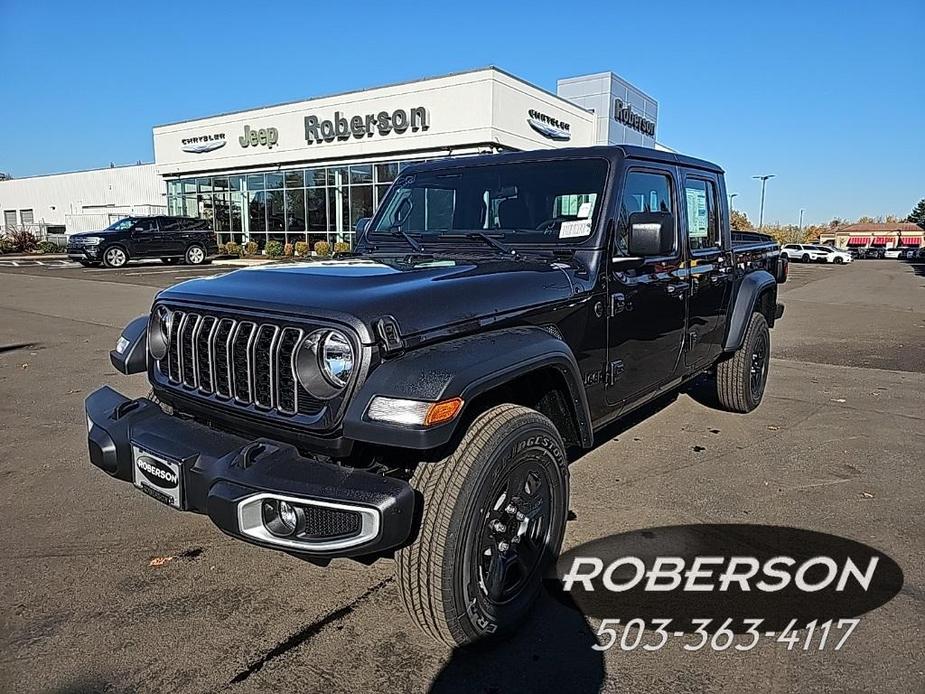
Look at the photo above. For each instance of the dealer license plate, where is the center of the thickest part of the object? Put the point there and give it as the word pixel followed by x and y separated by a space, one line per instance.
pixel 158 477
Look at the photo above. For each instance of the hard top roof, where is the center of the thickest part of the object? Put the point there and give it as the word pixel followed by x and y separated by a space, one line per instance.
pixel 612 153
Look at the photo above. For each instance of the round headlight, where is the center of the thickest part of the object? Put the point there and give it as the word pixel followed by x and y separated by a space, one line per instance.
pixel 159 332
pixel 336 358
pixel 324 363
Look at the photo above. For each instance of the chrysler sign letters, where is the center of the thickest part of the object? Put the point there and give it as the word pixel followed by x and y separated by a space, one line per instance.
pixel 202 143
pixel 343 127
pixel 547 126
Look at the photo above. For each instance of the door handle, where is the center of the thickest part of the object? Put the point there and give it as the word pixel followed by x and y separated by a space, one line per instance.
pixel 676 289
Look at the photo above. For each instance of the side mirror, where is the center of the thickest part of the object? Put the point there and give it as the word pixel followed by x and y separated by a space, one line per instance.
pixel 362 223
pixel 651 234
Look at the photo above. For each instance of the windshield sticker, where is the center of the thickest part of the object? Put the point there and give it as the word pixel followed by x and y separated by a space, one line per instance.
pixel 696 213
pixel 575 229
pixel 585 210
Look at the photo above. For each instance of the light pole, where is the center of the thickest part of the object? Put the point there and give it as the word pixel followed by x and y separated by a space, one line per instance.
pixel 764 180
pixel 801 224
pixel 731 196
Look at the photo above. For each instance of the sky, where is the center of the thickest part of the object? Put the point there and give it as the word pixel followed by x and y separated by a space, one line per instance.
pixel 828 96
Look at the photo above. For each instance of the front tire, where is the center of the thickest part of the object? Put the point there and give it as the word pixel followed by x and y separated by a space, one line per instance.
pixel 741 379
pixel 493 520
pixel 839 261
pixel 805 258
pixel 115 257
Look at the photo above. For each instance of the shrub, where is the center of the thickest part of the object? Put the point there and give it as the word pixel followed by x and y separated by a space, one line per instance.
pixel 222 249
pixel 250 248
pixel 287 250
pixel 301 248
pixel 48 247
pixel 21 240
pixel 274 249
pixel 341 247
pixel 6 246
pixel 322 248
pixel 232 248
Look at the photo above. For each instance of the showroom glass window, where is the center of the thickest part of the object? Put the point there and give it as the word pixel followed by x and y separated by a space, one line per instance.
pixel 306 204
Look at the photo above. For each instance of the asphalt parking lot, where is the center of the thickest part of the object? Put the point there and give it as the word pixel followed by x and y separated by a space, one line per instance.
pixel 836 447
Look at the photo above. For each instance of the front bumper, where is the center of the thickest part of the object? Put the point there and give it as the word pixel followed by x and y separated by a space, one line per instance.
pixel 226 476
pixel 83 252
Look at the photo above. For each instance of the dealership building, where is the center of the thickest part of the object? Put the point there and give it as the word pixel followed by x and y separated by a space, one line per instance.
pixel 308 170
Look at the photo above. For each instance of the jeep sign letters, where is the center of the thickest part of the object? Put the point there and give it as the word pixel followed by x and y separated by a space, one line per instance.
pixel 254 138
pixel 342 128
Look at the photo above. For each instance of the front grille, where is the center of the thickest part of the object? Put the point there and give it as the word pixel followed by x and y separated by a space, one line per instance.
pixel 244 362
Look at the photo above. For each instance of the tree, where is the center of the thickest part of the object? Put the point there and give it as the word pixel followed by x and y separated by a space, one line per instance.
pixel 739 221
pixel 917 216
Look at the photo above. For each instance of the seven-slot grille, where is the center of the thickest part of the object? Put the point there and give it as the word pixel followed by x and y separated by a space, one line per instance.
pixel 243 361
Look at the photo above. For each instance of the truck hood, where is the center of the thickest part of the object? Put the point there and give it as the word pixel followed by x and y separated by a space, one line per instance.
pixel 85 234
pixel 422 294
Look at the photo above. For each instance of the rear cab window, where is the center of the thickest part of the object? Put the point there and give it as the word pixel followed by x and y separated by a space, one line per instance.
pixel 702 214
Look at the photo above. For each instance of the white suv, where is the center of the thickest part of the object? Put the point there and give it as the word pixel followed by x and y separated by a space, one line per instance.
pixel 807 253
pixel 835 256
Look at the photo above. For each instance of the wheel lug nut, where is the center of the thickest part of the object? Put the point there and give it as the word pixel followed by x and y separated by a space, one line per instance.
pixel 498 526
pixel 515 539
pixel 510 509
pixel 503 546
pixel 520 516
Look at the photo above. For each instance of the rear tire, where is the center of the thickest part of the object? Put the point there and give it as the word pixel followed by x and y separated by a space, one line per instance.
pixel 805 258
pixel 741 379
pixel 465 577
pixel 195 255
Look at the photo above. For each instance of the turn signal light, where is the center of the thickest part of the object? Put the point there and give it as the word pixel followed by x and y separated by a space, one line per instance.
pixel 413 412
pixel 443 411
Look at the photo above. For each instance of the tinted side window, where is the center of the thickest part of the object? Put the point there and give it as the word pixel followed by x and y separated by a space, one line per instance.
pixel 168 224
pixel 145 225
pixel 702 218
pixel 642 192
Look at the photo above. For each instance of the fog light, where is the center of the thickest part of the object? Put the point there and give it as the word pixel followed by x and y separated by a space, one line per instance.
pixel 288 516
pixel 282 518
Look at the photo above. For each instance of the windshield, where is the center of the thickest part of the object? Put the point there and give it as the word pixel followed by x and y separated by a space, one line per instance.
pixel 121 225
pixel 530 202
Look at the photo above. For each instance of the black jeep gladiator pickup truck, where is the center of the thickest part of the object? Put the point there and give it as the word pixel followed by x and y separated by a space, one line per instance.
pixel 416 399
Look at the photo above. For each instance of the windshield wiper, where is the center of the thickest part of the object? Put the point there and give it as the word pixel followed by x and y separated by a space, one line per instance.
pixel 396 231
pixel 492 241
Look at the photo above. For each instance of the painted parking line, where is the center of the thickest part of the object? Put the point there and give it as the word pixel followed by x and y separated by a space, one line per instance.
pixel 37 263
pixel 165 272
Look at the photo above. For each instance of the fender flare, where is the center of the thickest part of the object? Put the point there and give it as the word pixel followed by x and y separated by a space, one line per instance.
pixel 134 358
pixel 466 368
pixel 753 285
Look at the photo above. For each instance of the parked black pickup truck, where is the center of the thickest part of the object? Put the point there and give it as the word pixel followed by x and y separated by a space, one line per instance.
pixel 417 398
pixel 171 239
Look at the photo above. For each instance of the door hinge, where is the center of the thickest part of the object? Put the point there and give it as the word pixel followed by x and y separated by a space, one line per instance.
pixel 617 304
pixel 692 338
pixel 614 371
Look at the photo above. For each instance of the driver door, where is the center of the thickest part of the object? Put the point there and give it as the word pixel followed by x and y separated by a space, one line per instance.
pixel 647 295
